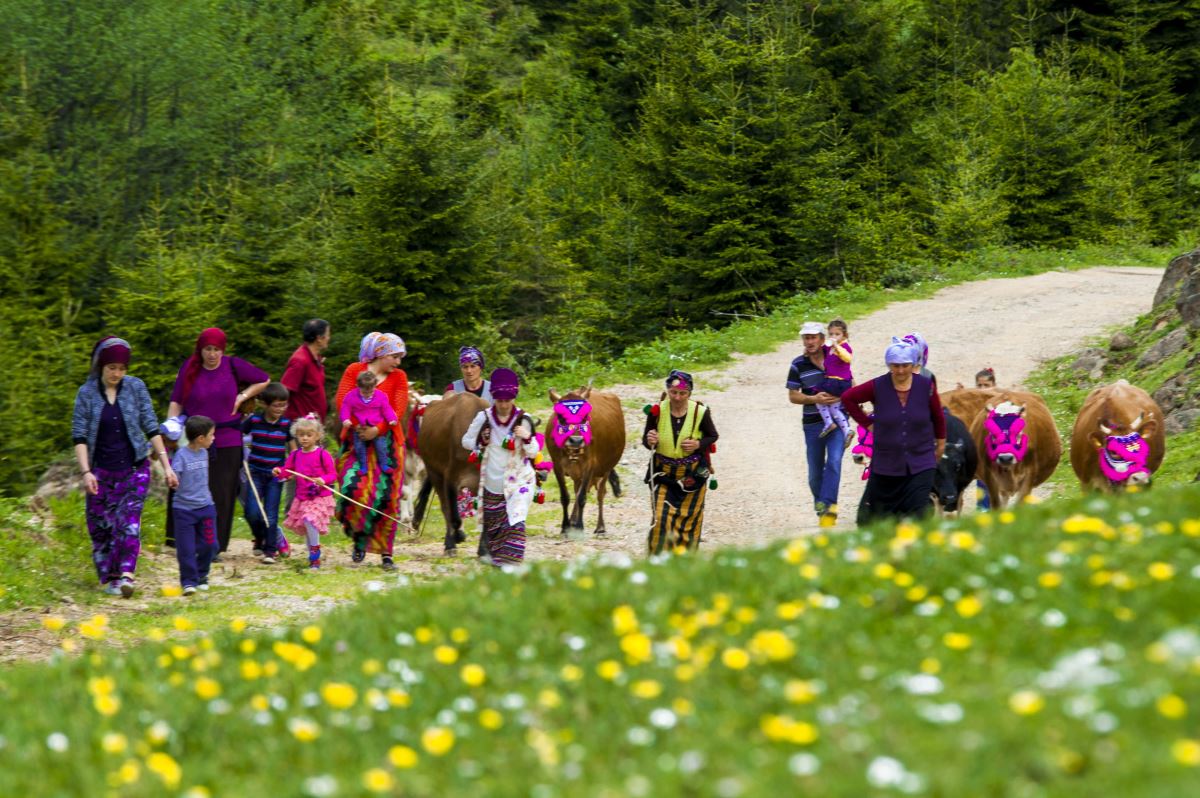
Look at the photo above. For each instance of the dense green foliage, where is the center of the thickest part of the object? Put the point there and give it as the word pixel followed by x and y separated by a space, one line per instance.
pixel 555 181
pixel 1051 651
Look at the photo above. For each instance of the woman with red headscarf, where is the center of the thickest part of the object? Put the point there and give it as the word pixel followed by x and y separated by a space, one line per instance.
pixel 207 385
pixel 372 530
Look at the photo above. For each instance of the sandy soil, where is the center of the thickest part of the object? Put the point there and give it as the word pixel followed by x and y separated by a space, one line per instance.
pixel 1010 325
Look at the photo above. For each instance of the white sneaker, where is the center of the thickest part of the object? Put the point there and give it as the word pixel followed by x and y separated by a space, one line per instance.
pixel 268 560
pixel 203 586
pixel 126 586
pixel 111 589
pixel 189 590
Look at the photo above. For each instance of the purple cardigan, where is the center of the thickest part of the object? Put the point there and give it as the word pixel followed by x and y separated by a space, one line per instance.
pixel 214 393
pixel 904 434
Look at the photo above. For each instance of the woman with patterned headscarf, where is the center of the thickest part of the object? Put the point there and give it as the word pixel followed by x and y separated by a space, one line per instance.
pixel 115 431
pixel 371 529
pixel 470 361
pixel 208 385
pixel 681 433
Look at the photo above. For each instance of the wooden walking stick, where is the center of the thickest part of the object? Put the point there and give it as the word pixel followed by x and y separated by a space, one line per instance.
pixel 336 492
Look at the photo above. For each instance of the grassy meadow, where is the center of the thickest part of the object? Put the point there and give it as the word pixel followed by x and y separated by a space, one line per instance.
pixel 1051 651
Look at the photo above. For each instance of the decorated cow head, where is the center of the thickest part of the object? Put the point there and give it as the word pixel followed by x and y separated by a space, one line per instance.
pixel 1005 440
pixel 570 425
pixel 1124 458
pixel 864 449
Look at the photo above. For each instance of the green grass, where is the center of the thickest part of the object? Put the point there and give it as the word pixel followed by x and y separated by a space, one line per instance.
pixel 951 657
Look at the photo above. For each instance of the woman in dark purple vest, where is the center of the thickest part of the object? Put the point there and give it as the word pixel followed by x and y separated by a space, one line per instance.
pixel 910 436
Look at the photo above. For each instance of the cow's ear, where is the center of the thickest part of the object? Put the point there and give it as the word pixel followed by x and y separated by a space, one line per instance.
pixel 585 392
pixel 555 396
pixel 1149 427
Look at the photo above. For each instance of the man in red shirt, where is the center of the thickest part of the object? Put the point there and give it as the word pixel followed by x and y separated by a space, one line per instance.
pixel 304 376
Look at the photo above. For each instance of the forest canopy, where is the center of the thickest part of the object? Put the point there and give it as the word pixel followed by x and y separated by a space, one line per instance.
pixel 552 181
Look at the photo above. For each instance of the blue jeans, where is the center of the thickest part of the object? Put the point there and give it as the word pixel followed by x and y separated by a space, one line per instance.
pixel 824 463
pixel 265 526
pixel 195 543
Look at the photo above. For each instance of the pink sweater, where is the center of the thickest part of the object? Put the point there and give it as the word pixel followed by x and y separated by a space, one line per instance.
pixel 837 361
pixel 376 410
pixel 317 463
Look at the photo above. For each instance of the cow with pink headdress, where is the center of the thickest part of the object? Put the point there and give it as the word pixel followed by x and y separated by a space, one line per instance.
pixel 585 436
pixel 1019 446
pixel 1118 441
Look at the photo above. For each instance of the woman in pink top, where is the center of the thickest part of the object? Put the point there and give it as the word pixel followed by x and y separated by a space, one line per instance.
pixel 310 513
pixel 368 407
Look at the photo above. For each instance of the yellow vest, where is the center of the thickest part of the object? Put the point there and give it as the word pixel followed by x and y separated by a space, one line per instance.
pixel 668 446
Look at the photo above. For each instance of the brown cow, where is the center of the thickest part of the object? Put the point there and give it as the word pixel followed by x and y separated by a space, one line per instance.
pixel 967 402
pixel 1019 446
pixel 447 467
pixel 1118 440
pixel 586 438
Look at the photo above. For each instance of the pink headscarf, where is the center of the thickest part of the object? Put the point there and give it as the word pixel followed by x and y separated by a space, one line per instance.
pixel 376 344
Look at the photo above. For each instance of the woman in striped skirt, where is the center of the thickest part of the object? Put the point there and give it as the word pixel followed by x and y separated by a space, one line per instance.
pixel 682 434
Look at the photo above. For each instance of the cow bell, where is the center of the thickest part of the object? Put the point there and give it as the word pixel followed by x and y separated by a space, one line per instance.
pixel 540 497
pixel 473 457
pixel 510 443
pixel 712 483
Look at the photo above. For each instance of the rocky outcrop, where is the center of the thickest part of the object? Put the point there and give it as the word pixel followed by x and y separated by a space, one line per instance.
pixel 1121 342
pixel 1172 343
pixel 1176 272
pixel 1091 362
pixel 1181 420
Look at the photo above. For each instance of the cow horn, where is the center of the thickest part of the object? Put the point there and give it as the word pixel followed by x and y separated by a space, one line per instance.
pixel 1105 429
pixel 1137 422
pixel 584 393
pixel 555 396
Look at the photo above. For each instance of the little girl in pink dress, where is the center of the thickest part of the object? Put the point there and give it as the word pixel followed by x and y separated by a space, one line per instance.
pixel 310 512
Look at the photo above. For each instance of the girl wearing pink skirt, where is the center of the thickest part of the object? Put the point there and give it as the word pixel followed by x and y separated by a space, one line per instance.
pixel 310 512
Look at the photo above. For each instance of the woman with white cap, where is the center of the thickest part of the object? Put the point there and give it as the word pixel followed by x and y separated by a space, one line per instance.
pixel 910 436
pixel 508 482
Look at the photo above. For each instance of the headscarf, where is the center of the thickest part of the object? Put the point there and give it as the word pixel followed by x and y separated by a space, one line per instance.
pixel 470 354
pixel 212 336
pixel 376 345
pixel 900 351
pixel 110 349
pixel 920 348
pixel 677 376
pixel 505 384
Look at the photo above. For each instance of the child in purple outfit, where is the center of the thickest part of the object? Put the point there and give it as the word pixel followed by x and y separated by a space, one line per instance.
pixel 368 407
pixel 838 377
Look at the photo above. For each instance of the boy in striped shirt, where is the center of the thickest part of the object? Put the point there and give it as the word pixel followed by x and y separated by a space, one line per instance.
pixel 268 432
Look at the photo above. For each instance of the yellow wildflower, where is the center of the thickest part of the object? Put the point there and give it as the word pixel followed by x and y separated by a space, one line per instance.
pixel 624 620
pixel 1171 706
pixel 491 719
pixel 1007 517
pixel 398 698
pixel 646 688
pixel 304 730
pixel 54 622
pixel 165 768
pixel 237 625
pixel 447 655
pixel 182 624
pixel 810 571
pixel 682 706
pixel 685 672
pixel 1026 702
pixel 790 610
pixel 735 658
pixel 114 743
pixel 549 698
pixel 1050 579
pixel 378 780
pixel 637 647
pixel 957 641
pixel 968 606
pixel 129 772
pixel 904 579
pixel 473 675
pixel 250 670
pixel 247 646
pixel 781 728
pixel 91 631
pixel 774 645
pixel 936 538
pixel 1186 752
pixel 207 688
pixel 106 705
pixel 311 634
pixel 260 703
pixel 964 540
pixel 571 673
pixel 930 665
pixel 609 669
pixel 800 691
pixel 884 570
pixel 423 634
pixel 339 695
pixel 437 740
pixel 1161 571
pixel 171 591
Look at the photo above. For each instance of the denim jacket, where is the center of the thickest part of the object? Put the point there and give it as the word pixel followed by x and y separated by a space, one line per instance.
pixel 134 401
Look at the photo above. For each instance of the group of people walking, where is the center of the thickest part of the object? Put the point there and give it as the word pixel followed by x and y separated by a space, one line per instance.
pixel 262 440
